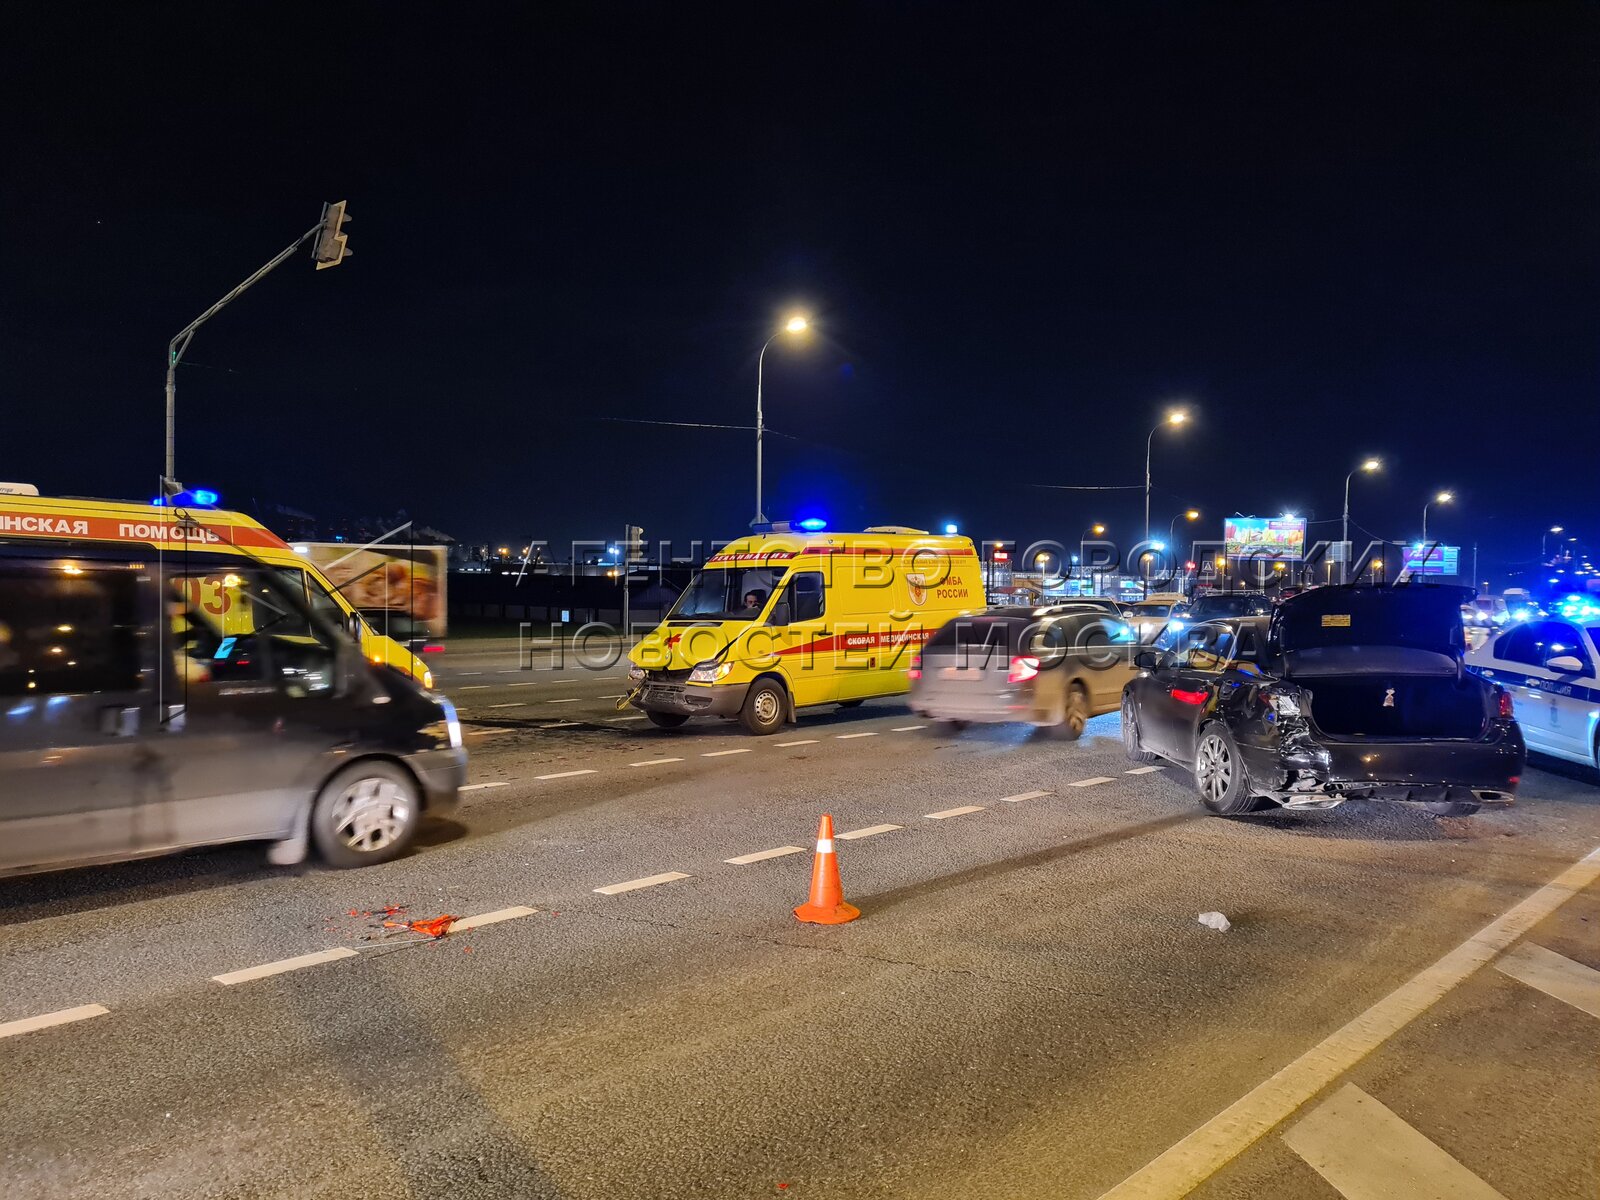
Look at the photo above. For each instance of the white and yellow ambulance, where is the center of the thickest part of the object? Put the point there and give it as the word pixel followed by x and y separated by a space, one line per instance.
pixel 169 531
pixel 784 619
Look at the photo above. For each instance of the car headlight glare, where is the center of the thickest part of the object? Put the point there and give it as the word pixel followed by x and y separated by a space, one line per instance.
pixel 710 672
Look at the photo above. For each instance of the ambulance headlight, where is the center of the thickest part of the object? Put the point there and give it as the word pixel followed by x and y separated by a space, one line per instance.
pixel 710 672
pixel 635 674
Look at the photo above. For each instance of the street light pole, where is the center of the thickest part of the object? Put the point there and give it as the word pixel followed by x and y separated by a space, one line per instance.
pixel 1372 464
pixel 1175 417
pixel 329 252
pixel 1191 514
pixel 1441 498
pixel 795 324
pixel 1544 539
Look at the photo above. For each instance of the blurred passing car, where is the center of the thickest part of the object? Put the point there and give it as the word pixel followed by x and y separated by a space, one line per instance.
pixel 1343 693
pixel 1053 667
pixel 1550 666
pixel 1212 606
pixel 1148 618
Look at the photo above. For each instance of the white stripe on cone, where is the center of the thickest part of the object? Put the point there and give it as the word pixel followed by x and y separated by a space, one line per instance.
pixel 824 845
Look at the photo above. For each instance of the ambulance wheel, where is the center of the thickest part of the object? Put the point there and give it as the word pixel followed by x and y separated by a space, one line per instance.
pixel 853 703
pixel 764 707
pixel 663 720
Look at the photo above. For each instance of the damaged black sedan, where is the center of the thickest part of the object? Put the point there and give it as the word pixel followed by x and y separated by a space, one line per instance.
pixel 1343 693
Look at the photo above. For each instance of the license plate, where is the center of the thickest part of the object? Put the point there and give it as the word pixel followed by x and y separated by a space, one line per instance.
pixel 967 673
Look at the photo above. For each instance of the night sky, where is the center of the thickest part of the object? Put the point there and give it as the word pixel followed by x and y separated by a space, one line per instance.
pixel 1335 230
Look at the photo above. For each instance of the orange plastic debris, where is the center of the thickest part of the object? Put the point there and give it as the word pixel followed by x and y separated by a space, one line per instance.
pixel 435 927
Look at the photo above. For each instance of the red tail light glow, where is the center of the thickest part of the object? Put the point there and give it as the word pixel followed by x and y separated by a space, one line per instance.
pixel 1023 668
pixel 431 649
pixel 1503 697
pixel 1187 697
pixel 914 671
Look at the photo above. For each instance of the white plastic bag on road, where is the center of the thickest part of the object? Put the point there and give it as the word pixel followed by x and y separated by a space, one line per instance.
pixel 1215 920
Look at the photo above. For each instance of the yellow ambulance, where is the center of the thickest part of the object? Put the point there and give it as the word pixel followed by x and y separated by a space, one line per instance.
pixel 788 618
pixel 163 530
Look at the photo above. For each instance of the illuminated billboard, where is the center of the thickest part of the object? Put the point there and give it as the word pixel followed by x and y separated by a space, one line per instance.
pixel 1433 560
pixel 1268 537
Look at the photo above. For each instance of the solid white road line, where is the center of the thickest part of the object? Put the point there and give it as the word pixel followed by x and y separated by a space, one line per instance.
pixel 906 728
pixel 953 812
pixel 1183 1167
pixel 64 1016
pixel 634 885
pixel 721 753
pixel 1022 796
pixel 1368 1153
pixel 1142 770
pixel 654 762
pixel 1090 782
pixel 1555 975
pixel 493 918
pixel 763 855
pixel 566 774
pixel 844 737
pixel 284 964
pixel 803 742
pixel 869 831
pixel 510 704
pixel 478 787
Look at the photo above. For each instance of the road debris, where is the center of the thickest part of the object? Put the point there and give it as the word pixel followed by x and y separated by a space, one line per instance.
pixel 1215 920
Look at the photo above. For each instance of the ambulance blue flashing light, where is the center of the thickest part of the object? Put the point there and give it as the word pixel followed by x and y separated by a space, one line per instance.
pixel 204 497
pixel 813 524
pixel 951 529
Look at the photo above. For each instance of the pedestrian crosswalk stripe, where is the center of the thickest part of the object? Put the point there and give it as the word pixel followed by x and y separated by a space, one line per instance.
pixel 1554 975
pixel 1368 1153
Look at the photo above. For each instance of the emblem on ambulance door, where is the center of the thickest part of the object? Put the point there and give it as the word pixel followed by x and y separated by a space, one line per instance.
pixel 919 588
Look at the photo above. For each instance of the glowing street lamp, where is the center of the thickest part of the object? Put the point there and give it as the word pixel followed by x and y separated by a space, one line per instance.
pixel 1369 466
pixel 796 325
pixel 1174 418
pixel 1191 515
pixel 1441 498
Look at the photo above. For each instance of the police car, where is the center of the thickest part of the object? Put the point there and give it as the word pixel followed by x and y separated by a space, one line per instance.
pixel 1551 667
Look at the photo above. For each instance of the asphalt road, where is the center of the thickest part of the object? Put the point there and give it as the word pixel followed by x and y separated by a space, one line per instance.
pixel 1028 1007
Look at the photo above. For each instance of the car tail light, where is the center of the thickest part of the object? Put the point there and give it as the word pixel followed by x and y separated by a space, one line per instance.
pixel 914 671
pixel 1187 697
pixel 1503 699
pixel 431 649
pixel 1023 668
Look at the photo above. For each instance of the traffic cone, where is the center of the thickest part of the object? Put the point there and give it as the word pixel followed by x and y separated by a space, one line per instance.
pixel 826 905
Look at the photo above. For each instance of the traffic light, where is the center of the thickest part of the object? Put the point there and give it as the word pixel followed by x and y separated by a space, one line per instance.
pixel 633 544
pixel 330 249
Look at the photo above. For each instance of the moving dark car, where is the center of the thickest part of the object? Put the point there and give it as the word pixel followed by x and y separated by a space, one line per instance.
pixel 1213 606
pixel 1343 693
pixel 1053 667
pixel 154 703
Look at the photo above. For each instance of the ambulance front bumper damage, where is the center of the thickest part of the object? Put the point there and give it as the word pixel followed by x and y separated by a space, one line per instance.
pixel 658 692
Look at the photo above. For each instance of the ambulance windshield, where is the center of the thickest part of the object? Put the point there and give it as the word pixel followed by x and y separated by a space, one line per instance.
pixel 726 594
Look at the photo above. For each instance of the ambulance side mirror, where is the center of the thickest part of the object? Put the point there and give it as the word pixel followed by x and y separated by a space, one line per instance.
pixel 780 613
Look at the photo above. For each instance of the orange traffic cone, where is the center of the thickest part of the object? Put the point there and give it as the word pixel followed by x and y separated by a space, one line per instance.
pixel 826 906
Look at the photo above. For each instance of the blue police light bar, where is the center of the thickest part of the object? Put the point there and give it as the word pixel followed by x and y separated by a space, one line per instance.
pixel 813 524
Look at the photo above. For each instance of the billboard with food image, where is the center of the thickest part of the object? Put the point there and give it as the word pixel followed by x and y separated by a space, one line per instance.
pixel 1266 537
pixel 403 581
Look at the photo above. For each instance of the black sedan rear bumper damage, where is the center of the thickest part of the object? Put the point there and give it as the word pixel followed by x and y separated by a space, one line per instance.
pixel 1298 768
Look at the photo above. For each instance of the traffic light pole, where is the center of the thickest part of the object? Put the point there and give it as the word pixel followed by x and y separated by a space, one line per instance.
pixel 330 252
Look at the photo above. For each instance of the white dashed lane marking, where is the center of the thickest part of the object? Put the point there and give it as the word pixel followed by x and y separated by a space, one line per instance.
pixel 1090 782
pixel 869 831
pixel 1140 770
pixel 655 762
pixel 478 787
pixel 634 885
pixel 906 728
pixel 299 962
pixel 802 742
pixel 844 737
pixel 510 704
pixel 1020 796
pixel 945 813
pixel 721 753
pixel 64 1016
pixel 639 717
pixel 1368 1153
pixel 492 918
pixel 561 724
pixel 763 855
pixel 467 687
pixel 568 700
pixel 1555 975
pixel 566 774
